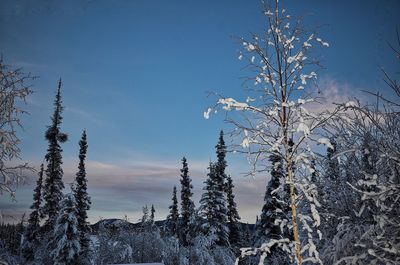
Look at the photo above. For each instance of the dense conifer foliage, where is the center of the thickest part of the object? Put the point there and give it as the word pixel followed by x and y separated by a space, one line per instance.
pixel 54 185
pixel 82 198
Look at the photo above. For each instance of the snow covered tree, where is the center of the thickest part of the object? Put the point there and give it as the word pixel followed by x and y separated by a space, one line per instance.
pixel 31 236
pixel 272 209
pixel 221 164
pixel 368 233
pixel 273 219
pixel 65 242
pixel 278 110
pixel 206 209
pixel 53 182
pixel 213 209
pixel 333 165
pixel 233 217
pixel 147 243
pixel 171 223
pixel 82 198
pixel 220 179
pixel 14 88
pixel 145 216
pixel 187 205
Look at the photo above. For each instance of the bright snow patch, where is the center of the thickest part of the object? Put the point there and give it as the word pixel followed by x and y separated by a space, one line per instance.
pixel 351 104
pixel 206 114
pixel 303 128
pixel 325 141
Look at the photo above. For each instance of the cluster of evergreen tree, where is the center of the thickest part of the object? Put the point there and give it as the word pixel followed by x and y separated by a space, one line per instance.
pixel 57 231
pixel 210 234
pixel 216 217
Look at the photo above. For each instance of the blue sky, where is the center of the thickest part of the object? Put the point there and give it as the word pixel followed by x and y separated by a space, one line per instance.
pixel 136 76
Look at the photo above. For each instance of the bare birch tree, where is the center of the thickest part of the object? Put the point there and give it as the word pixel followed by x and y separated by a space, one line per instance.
pixel 282 114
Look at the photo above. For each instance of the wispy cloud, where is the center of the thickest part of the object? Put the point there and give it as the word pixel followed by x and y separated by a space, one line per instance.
pixel 119 189
pixel 85 115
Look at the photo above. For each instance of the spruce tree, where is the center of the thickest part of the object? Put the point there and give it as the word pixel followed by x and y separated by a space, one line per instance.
pixel 207 206
pixel 187 205
pixel 221 162
pixel 152 212
pixel 233 215
pixel 213 209
pixel 220 192
pixel 82 198
pixel 173 217
pixel 31 237
pixel 53 183
pixel 65 242
pixel 272 210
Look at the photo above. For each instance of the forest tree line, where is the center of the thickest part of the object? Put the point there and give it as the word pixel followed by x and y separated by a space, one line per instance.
pixel 333 169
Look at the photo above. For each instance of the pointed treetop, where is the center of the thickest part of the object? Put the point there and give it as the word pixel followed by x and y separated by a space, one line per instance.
pixel 83 145
pixel 152 213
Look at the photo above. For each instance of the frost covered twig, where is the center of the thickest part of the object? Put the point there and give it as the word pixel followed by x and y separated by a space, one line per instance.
pixel 13 90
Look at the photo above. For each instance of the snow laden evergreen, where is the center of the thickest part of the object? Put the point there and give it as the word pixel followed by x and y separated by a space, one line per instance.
pixel 280 108
pixel 82 198
pixel 145 216
pixel 65 240
pixel 206 208
pixel 171 224
pixel 235 234
pixel 187 205
pixel 220 193
pixel 53 182
pixel 221 164
pixel 272 224
pixel 31 236
pixel 212 208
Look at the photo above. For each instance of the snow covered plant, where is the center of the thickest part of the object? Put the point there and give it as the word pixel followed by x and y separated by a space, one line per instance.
pixel 371 135
pixel 282 116
pixel 13 90
pixel 370 232
pixel 65 242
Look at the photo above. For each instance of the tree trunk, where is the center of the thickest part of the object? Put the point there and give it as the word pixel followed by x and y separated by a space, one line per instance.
pixel 294 214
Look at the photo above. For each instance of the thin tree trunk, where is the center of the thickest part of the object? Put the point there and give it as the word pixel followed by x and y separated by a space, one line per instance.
pixel 294 214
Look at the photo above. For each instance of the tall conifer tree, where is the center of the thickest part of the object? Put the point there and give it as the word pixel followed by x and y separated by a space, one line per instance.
pixel 152 212
pixel 220 191
pixel 173 217
pixel 53 183
pixel 221 164
pixel 213 209
pixel 187 205
pixel 65 243
pixel 272 210
pixel 82 198
pixel 31 237
pixel 207 201
pixel 232 214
